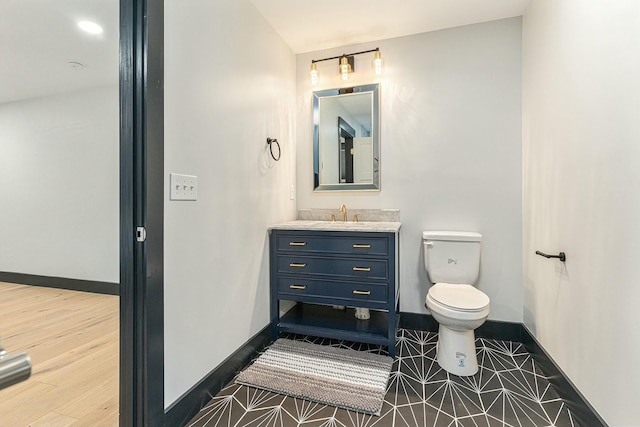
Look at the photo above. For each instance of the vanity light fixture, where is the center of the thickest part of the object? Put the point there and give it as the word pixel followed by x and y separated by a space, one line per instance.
pixel 346 64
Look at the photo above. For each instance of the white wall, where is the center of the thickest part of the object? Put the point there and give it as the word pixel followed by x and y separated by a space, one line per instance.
pixel 581 99
pixel 450 148
pixel 229 84
pixel 59 188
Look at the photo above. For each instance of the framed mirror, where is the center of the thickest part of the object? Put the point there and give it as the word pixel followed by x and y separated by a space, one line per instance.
pixel 346 138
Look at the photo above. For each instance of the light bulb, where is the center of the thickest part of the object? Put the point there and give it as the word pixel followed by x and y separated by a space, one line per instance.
pixel 314 74
pixel 377 63
pixel 345 73
pixel 345 68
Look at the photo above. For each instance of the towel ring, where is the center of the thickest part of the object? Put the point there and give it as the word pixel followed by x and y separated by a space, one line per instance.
pixel 270 141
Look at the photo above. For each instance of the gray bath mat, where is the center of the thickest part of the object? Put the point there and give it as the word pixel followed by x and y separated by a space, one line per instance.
pixel 339 377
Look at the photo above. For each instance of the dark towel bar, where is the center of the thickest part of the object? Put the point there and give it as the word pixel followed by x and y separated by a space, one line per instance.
pixel 560 256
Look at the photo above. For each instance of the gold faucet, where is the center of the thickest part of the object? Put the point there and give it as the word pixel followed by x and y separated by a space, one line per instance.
pixel 343 209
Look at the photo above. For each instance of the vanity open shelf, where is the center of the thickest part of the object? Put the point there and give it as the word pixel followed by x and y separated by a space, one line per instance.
pixel 325 321
pixel 319 265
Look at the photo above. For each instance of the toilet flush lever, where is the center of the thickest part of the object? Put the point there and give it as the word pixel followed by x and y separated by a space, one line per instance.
pixel 560 256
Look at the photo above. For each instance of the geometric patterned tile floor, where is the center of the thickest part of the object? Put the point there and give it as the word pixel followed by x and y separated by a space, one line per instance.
pixel 509 390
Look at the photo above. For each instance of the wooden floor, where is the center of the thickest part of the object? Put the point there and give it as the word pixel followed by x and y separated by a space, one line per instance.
pixel 72 339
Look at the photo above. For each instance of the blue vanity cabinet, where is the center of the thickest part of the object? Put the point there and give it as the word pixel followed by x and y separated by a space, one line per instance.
pixel 320 269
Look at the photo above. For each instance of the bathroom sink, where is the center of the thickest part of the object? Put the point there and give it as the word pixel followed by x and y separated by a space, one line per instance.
pixel 339 226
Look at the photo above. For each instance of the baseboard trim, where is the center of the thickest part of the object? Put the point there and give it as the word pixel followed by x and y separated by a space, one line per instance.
pixel 491 329
pixel 584 413
pixel 187 406
pixel 107 288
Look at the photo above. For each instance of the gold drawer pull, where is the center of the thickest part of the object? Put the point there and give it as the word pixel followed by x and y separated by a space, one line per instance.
pixel 293 265
pixel 297 243
pixel 362 292
pixel 297 287
pixel 361 268
pixel 357 246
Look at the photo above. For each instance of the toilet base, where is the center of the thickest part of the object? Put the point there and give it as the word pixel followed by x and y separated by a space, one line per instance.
pixel 456 351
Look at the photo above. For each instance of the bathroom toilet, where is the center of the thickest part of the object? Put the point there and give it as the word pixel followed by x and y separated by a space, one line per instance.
pixel 452 261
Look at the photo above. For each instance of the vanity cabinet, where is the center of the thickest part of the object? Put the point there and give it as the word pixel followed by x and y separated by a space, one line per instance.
pixel 320 269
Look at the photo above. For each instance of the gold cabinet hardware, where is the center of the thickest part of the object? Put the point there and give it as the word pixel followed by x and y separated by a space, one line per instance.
pixel 362 292
pixel 357 246
pixel 297 243
pixel 297 287
pixel 294 265
pixel 361 268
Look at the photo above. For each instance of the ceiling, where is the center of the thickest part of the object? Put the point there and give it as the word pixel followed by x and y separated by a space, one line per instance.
pixel 322 24
pixel 40 40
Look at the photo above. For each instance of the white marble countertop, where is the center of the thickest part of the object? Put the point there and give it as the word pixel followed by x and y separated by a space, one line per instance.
pixel 380 227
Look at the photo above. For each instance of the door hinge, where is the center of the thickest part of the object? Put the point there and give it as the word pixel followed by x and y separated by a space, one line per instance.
pixel 141 234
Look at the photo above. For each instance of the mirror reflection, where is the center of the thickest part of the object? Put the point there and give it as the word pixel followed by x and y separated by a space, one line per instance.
pixel 346 138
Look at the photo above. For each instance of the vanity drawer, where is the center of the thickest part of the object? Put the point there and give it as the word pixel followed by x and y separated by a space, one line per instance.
pixel 337 267
pixel 348 293
pixel 348 245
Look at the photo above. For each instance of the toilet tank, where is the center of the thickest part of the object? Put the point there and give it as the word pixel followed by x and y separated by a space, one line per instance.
pixel 452 256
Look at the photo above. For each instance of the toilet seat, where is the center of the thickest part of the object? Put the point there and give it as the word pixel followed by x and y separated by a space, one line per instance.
pixel 459 297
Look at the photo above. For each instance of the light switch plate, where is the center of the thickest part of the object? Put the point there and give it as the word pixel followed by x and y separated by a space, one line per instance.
pixel 183 187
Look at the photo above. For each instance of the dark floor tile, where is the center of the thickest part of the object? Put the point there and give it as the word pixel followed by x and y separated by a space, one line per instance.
pixel 267 417
pixel 489 380
pixel 558 412
pixel 474 421
pixel 253 398
pixel 411 365
pixel 434 373
pixel 496 359
pixel 409 345
pixel 466 402
pixel 470 383
pixel 521 411
pixel 565 419
pixel 221 411
pixel 301 411
pixel 403 389
pixel 508 390
pixel 437 418
pixel 517 382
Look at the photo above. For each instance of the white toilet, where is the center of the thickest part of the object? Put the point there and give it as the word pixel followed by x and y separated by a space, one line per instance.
pixel 452 260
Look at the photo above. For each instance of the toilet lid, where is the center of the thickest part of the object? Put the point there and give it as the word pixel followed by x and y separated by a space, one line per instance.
pixel 459 297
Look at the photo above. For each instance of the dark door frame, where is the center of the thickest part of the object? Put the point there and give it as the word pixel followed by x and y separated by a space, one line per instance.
pixel 141 205
pixel 348 133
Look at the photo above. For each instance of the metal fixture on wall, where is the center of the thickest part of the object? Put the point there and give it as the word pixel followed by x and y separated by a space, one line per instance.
pixel 561 256
pixel 346 64
pixel 271 142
